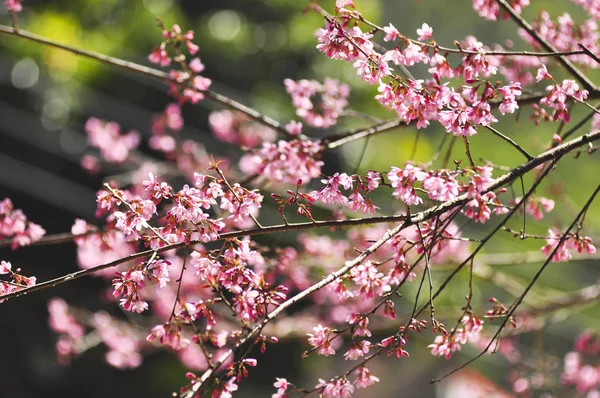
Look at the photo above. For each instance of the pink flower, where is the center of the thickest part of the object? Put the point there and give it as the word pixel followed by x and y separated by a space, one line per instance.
pixel 364 378
pixel 542 74
pixel 14 225
pixel 339 388
pixel 441 186
pixel 281 385
pixel 510 92
pixel 331 194
pixel 559 94
pixel 5 267
pixel 13 5
pixel 334 44
pixel 591 6
pixel 358 349
pixel 294 127
pixel 402 181
pixel 320 339
pixel 425 32
pixel 225 389
pixel 391 33
pixel 159 56
pixel 562 253
pixel 489 9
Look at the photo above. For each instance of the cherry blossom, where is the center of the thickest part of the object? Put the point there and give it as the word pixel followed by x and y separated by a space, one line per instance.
pixel 425 32
pixel 13 5
pixel 15 226
pixel 106 136
pixel 285 161
pixel 332 97
pixel 237 128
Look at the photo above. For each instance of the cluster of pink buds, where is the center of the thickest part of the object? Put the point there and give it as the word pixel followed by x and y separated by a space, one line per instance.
pixel 572 241
pixel 447 343
pixel 188 84
pixel 302 200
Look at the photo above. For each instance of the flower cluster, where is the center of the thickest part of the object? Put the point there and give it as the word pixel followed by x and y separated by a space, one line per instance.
pixel 99 247
pixel 571 241
pixel 127 285
pixel 106 136
pixel 558 95
pixel 324 110
pixel 69 329
pixel 565 35
pixel 13 5
pixel 489 9
pixel 442 185
pixel 162 124
pixel 582 369
pixel 447 343
pixel 188 85
pixel 535 205
pixel 359 186
pixel 17 281
pixel 15 226
pixel 237 128
pixel 591 6
pixel 214 290
pixel 121 339
pixel 284 161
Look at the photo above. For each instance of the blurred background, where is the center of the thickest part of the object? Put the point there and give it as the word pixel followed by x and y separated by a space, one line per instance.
pixel 248 47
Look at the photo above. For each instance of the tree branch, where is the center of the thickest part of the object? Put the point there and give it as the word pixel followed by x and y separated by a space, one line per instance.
pixel 152 73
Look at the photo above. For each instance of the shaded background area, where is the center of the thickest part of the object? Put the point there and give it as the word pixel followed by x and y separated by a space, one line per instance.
pixel 248 47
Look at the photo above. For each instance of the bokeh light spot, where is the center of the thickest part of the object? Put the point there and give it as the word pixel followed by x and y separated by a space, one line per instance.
pixel 225 25
pixel 25 74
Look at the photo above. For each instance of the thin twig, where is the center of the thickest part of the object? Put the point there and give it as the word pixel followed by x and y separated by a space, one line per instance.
pixel 339 140
pixel 511 142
